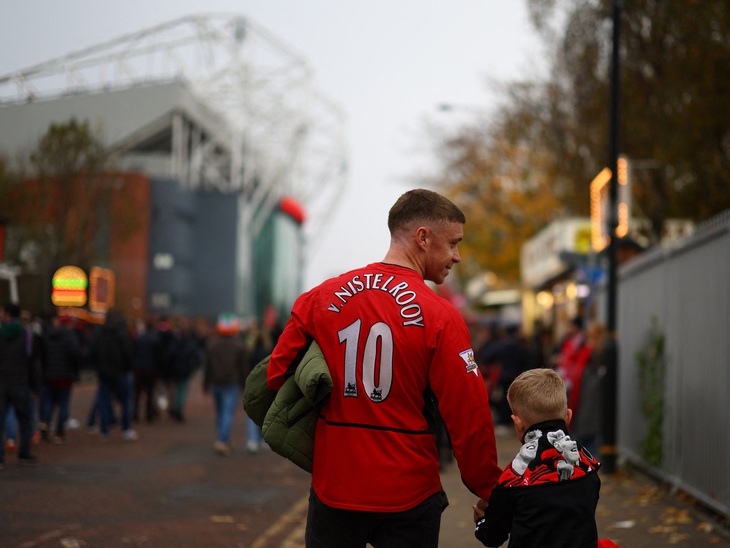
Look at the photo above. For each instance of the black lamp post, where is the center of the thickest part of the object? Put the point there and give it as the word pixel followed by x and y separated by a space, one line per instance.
pixel 608 450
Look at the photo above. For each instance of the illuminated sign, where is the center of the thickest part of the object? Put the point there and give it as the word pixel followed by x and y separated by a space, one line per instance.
pixel 69 285
pixel 101 289
pixel 600 205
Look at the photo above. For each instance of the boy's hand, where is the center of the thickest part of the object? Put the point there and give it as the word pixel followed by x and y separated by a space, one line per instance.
pixel 479 508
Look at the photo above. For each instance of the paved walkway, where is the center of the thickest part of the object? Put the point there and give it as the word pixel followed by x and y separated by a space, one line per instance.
pixel 170 489
pixel 633 511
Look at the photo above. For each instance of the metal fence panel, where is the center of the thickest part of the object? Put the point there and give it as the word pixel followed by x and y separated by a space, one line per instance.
pixel 686 289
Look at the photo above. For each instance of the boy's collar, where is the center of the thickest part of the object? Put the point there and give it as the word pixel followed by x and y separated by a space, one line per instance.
pixel 552 424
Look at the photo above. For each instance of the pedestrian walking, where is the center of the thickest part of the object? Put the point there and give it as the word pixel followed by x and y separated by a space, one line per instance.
pixel 574 354
pixel 184 359
pixel 588 391
pixel 111 349
pixel 167 332
pixel 512 357
pixel 146 357
pixel 19 381
pixel 259 344
pixel 225 360
pixel 394 348
pixel 60 362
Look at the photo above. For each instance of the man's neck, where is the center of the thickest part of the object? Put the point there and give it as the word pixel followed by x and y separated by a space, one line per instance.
pixel 399 258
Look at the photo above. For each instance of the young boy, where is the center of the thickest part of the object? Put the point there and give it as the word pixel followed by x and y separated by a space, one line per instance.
pixel 548 495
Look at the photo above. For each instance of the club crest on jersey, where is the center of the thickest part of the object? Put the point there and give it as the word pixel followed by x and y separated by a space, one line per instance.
pixel 471 364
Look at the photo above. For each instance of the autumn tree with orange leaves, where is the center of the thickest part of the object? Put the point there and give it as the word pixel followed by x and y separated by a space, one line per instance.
pixel 532 161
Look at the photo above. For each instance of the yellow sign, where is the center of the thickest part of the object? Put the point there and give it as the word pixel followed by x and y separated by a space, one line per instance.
pixel 101 289
pixel 600 204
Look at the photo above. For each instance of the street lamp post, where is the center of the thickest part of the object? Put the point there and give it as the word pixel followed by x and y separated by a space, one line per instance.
pixel 608 450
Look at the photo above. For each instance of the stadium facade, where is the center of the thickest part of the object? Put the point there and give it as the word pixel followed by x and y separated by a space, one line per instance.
pixel 235 164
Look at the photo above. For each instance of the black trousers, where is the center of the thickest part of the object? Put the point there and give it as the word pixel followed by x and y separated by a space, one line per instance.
pixel 418 527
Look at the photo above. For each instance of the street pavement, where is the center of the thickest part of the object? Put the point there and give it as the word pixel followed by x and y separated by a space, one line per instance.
pixel 169 489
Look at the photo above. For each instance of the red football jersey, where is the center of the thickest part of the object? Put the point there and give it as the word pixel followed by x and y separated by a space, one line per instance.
pixel 388 338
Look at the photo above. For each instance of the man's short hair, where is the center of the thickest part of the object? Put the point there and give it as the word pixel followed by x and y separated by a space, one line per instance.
pixel 538 395
pixel 421 205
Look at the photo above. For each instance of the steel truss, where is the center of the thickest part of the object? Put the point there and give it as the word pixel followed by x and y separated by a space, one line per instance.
pixel 281 136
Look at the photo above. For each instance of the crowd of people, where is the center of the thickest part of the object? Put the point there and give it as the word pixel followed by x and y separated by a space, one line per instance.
pixel 503 353
pixel 142 369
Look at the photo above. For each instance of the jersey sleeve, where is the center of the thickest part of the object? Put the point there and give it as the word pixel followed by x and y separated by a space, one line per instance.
pixel 464 406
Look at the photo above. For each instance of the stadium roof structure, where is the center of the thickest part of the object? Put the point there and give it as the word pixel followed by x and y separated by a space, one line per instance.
pixel 248 117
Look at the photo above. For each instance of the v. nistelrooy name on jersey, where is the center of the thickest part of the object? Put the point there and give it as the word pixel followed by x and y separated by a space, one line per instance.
pixel 404 297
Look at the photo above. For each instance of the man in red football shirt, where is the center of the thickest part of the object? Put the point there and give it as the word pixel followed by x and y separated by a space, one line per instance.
pixel 394 349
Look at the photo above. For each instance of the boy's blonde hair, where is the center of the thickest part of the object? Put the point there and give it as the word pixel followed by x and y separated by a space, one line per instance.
pixel 538 395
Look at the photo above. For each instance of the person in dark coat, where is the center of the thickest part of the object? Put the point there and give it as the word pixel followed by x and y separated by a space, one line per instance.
pixel 111 350
pixel 587 416
pixel 146 358
pixel 224 377
pixel 19 381
pixel 183 357
pixel 60 361
pixel 513 358
pixel 167 333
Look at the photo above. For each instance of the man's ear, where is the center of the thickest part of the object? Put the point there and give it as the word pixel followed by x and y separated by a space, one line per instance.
pixel 568 416
pixel 422 236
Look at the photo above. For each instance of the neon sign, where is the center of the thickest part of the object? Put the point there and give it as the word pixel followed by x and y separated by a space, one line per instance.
pixel 600 204
pixel 69 285
pixel 101 289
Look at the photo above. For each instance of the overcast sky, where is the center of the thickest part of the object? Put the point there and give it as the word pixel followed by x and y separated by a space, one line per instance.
pixel 388 63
